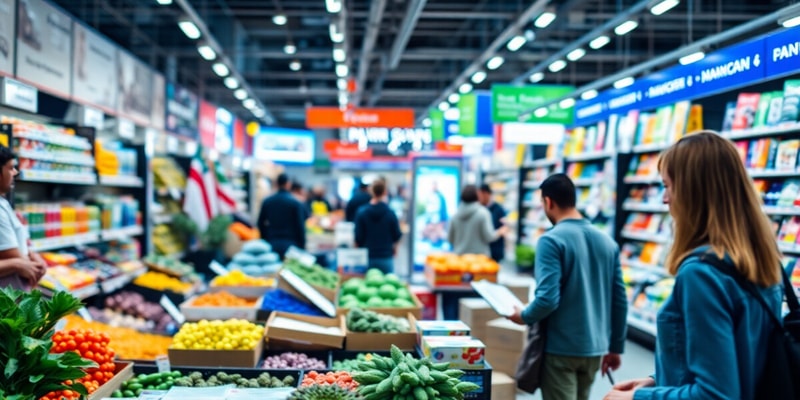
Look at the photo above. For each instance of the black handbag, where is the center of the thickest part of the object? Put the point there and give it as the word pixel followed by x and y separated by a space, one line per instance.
pixel 531 363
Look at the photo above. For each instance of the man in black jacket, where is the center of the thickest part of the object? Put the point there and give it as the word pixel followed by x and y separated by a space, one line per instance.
pixel 359 199
pixel 282 219
pixel 497 248
pixel 378 230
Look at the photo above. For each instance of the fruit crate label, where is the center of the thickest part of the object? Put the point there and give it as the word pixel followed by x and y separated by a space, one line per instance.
pixel 162 363
pixel 172 309
pixel 217 268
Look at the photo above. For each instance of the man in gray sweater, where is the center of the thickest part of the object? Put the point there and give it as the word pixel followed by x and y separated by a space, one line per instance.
pixel 471 230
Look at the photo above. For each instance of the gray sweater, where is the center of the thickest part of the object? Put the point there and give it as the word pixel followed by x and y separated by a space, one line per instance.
pixel 471 230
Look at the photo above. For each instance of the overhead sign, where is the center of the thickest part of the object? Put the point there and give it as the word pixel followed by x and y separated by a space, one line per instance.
pixel 730 67
pixel 783 52
pixel 135 99
pixel 333 117
pixel 397 142
pixel 182 106
pixel 19 95
pixel 223 134
pixel 509 101
pixel 159 106
pixel 282 145
pixel 207 124
pixel 468 114
pixel 7 43
pixel 94 69
pixel 44 47
pixel 437 124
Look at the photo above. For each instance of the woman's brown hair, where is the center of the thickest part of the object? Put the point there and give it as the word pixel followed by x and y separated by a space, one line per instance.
pixel 713 202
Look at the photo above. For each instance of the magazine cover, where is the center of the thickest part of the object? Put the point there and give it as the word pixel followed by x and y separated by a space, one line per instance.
pixel 745 114
pixel 791 101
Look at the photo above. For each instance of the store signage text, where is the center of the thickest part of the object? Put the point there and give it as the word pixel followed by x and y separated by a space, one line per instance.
pixel 586 112
pixel 393 138
pixel 783 49
pixel 509 101
pixel 19 95
pixel 333 117
pixel 668 87
pixel 179 110
pixel 785 52
pixel 729 69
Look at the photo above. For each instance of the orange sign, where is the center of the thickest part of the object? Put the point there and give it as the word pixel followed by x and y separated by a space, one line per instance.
pixel 333 117
pixel 339 150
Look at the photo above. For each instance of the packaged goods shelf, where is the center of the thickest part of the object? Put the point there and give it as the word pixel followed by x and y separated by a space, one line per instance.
pixel 545 162
pixel 754 173
pixel 60 157
pixel 58 139
pixel 58 177
pixel 762 131
pixel 531 184
pixel 645 237
pixel 650 148
pixel 645 180
pixel 121 181
pixel 645 207
pixel 591 156
pixel 122 233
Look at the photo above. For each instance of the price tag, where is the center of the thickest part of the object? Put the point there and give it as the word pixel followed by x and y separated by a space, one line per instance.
pixel 84 313
pixel 217 268
pixel 162 362
pixel 301 256
pixel 172 309
pixel 352 261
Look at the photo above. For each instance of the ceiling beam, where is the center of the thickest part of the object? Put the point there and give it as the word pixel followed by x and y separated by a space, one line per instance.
pixel 376 10
pixel 406 30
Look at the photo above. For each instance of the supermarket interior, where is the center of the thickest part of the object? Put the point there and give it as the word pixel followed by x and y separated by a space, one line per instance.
pixel 340 199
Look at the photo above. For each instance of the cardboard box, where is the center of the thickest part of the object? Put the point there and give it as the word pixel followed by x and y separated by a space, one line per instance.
pixel 123 371
pixel 504 361
pixel 217 358
pixel 394 311
pixel 460 351
pixel 480 334
pixel 196 313
pixel 247 292
pixel 291 338
pixel 503 386
pixel 476 312
pixel 520 289
pixel 441 328
pixel 503 334
pixel 361 341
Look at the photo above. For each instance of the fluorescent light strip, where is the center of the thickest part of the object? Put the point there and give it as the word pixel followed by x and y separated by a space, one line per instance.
pixel 206 52
pixel 427 122
pixel 454 98
pixel 540 112
pixel 220 69
pixel 342 70
pixel 465 88
pixel 336 37
pixel 516 43
pixel 240 94
pixel 545 19
pixel 495 62
pixel 189 29
pixel 576 54
pixel 624 82
pixel 295 65
pixel 341 83
pixel 537 77
pixel 164 2
pixel 339 55
pixel 231 83
pixel 342 98
pixel 599 42
pixel 290 49
pixel 249 103
pixel 279 19
pixel 478 77
pixel 567 103
pixel 791 22
pixel 626 27
pixel 444 106
pixel 557 66
pixel 589 94
pixel 664 6
pixel 692 58
pixel 333 6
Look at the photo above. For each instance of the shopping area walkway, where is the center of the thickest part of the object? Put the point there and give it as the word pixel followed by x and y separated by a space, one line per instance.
pixel 636 363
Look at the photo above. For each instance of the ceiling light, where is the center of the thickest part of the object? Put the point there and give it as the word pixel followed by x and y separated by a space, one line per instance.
pixel 336 37
pixel 220 69
pixel 342 70
pixel 206 52
pixel 231 82
pixel 791 22
pixel 567 103
pixel 249 103
pixel 333 6
pixel 427 122
pixel 540 112
pixel 576 54
pixel 289 48
pixel 624 82
pixel 295 65
pixel 444 106
pixel 589 94
pixel 599 42
pixel 164 2
pixel 452 114
pixel 279 19
pixel 692 58
pixel 545 19
pixel 189 29
pixel 341 83
pixel 259 113
pixel 478 77
pixel 664 6
pixel 339 55
pixel 454 98
pixel 557 66
pixel 625 27
pixel 240 94
pixel 342 98
pixel 465 88
pixel 495 62
pixel 516 43
pixel 537 77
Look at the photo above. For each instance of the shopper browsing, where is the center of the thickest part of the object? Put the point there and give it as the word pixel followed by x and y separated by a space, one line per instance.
pixel 711 332
pixel 471 230
pixel 360 198
pixel 579 293
pixel 282 219
pixel 378 230
pixel 20 268
pixel 496 248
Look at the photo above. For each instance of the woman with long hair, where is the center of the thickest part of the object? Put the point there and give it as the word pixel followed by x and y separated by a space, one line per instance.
pixel 711 332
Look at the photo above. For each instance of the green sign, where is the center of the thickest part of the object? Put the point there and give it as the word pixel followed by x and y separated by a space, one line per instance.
pixel 468 111
pixel 437 125
pixel 509 101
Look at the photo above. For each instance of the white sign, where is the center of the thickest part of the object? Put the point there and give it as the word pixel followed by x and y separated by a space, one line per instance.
pixel 301 256
pixel 172 309
pixel 126 129
pixel 94 69
pixel 162 362
pixel 44 47
pixel 531 133
pixel 92 117
pixel 19 95
pixel 352 261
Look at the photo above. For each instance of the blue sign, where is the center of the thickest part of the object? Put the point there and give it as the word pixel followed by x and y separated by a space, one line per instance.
pixel 667 86
pixel 783 52
pixel 730 67
pixel 484 125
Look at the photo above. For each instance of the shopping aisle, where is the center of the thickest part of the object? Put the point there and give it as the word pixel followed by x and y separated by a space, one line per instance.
pixel 636 363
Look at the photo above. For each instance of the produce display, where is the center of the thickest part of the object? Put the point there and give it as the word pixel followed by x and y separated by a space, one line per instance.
pixel 375 290
pixel 280 300
pixel 160 281
pixel 332 378
pixel 91 346
pixel 472 263
pixel 239 278
pixel 256 258
pixel 402 374
pixel 359 320
pixel 290 360
pixel 66 277
pixel 323 392
pixel 129 344
pixel 233 334
pixel 222 299
pixel 166 380
pixel 314 275
pixel 169 265
pixel 130 309
pixel 352 363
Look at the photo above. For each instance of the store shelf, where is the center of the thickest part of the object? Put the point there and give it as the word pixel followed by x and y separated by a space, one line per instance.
pixel 775 210
pixel 60 157
pixel 582 182
pixel 650 148
pixel 595 155
pixel 531 184
pixel 81 293
pixel 645 180
pixel 121 181
pixel 58 177
pixel 772 173
pixel 64 241
pixel 545 162
pixel 761 131
pixel 656 269
pixel 645 237
pixel 645 207
pixel 644 326
pixel 118 282
pixel 55 138
pixel 121 233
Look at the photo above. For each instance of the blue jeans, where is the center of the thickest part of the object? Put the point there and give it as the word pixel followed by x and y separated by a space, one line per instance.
pixel 386 265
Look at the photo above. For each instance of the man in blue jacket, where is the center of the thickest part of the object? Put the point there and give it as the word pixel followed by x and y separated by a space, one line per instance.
pixel 282 219
pixel 581 295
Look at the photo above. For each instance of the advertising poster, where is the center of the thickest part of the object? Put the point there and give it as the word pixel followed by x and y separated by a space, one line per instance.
pixel 207 124
pixel 182 107
pixel 281 145
pixel 158 110
pixel 437 187
pixel 509 101
pixel 94 69
pixel 44 47
pixel 135 80
pixel 223 138
pixel 238 136
pixel 7 37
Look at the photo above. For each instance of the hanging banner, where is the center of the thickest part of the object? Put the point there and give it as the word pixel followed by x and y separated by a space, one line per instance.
pixel 223 135
pixel 238 136
pixel 468 114
pixel 135 99
pixel 509 101
pixel 207 124
pixel 283 145
pixel 437 124
pixel 483 114
pixel 44 47
pixel 94 70
pixel 181 112
pixel 333 117
pixel 158 110
pixel 7 43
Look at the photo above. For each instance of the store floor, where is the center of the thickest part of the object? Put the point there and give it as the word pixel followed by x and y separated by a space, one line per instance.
pixel 636 363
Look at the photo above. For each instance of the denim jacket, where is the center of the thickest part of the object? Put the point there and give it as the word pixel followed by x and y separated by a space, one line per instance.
pixel 711 337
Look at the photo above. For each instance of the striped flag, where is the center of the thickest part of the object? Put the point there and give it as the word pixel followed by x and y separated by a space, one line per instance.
pixel 200 202
pixel 227 203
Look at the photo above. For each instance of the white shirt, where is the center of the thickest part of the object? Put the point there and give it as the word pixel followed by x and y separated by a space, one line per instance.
pixel 13 235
